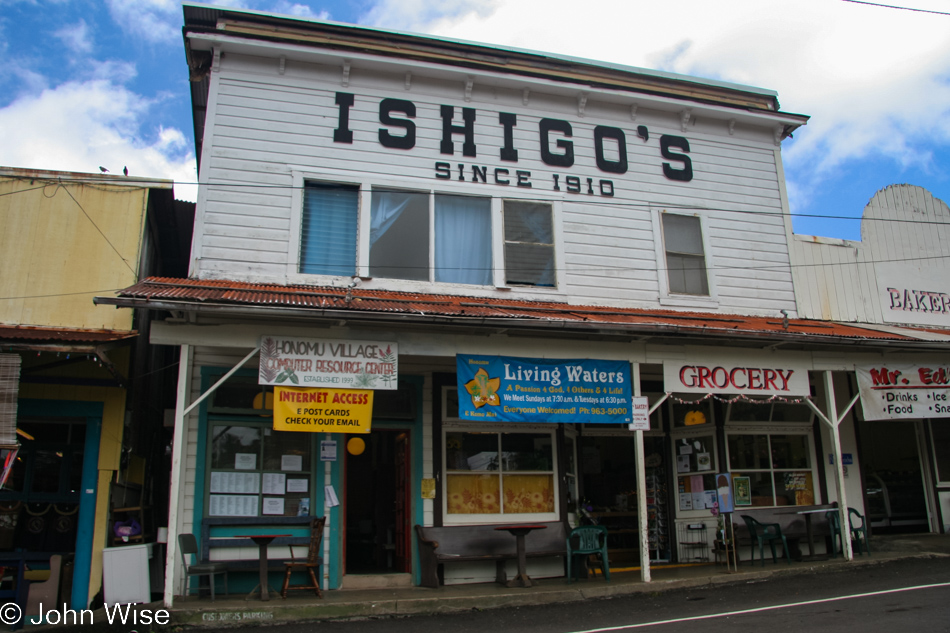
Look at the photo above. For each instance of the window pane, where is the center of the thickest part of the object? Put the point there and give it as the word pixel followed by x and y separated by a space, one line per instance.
pixel 463 240
pixel 529 265
pixel 528 222
pixel 782 412
pixel 789 451
pixel 227 442
pixel 472 494
pixel 471 451
pixel 46 467
pixel 528 493
pixel 749 451
pixel 682 234
pixel 328 231
pixel 687 274
pixel 749 412
pixel 760 487
pixel 399 235
pixel 527 451
pixel 794 489
pixel 278 444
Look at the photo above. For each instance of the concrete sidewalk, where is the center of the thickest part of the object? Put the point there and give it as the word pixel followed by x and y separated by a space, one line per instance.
pixel 194 612
pixel 235 611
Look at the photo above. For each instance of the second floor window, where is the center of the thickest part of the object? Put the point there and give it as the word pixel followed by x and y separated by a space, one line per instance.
pixel 385 232
pixel 529 244
pixel 685 256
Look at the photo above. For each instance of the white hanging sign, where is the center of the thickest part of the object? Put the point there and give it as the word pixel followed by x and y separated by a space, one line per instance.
pixel 904 391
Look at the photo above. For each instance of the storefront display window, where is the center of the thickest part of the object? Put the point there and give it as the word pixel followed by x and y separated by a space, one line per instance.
pixel 696 468
pixel 258 471
pixel 499 473
pixel 778 467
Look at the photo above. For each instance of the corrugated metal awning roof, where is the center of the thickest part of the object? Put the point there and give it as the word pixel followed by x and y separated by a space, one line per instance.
pixel 28 334
pixel 406 308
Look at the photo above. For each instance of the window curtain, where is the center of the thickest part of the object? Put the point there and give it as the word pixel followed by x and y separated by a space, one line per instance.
pixel 463 240
pixel 328 232
pixel 385 210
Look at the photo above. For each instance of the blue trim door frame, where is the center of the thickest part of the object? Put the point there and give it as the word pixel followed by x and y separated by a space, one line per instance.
pixel 88 494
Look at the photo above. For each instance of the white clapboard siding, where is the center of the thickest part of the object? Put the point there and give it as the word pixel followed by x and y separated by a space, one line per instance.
pixel 902 226
pixel 265 126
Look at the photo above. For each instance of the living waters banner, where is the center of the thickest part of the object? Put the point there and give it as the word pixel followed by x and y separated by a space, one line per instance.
pixel 509 389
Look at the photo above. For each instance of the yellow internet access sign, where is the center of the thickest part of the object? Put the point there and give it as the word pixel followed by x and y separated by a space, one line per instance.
pixel 317 410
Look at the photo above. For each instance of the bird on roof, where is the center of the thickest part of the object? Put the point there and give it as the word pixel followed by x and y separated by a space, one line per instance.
pixel 125 171
pixel 103 169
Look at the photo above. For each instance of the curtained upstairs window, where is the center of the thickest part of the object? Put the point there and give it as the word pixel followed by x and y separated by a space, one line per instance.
pixel 328 234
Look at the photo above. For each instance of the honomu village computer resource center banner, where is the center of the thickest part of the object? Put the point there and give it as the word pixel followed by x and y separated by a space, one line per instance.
pixel 510 389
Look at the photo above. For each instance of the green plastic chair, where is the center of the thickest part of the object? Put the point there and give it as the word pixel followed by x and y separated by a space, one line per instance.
pixel 762 533
pixel 590 539
pixel 859 530
pixel 834 526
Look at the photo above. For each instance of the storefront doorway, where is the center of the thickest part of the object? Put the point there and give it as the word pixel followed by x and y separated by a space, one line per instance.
pixel 377 503
pixel 894 484
pixel 609 488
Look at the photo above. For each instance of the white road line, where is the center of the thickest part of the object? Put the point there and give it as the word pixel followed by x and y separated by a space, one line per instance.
pixel 760 609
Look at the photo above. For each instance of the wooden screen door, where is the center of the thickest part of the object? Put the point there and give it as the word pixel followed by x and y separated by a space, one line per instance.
pixel 402 557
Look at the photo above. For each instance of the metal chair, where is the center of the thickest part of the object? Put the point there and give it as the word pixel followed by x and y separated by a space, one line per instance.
pixel 859 530
pixel 187 545
pixel 591 540
pixel 762 533
pixel 313 561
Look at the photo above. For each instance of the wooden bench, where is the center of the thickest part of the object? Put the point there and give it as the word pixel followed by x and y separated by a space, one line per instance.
pixel 251 525
pixel 793 525
pixel 467 543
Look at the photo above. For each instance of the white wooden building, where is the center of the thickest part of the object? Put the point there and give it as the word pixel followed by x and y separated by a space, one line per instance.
pixel 442 198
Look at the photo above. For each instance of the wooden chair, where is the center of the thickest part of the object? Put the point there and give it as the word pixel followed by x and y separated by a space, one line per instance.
pixel 188 545
pixel 314 561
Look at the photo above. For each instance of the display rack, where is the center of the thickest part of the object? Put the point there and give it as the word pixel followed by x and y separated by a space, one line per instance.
pixel 694 543
pixel 658 515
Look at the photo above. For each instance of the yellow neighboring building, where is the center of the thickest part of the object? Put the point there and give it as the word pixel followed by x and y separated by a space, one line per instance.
pixel 90 393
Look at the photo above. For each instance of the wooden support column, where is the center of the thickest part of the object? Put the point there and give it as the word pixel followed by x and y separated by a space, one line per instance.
pixel 642 517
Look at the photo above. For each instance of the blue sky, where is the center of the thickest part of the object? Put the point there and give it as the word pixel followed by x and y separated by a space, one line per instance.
pixel 85 83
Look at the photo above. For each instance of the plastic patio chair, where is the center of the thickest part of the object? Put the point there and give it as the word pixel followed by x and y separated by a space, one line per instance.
pixel 859 531
pixel 762 533
pixel 591 539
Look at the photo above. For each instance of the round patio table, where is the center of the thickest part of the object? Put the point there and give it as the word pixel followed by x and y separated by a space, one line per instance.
pixel 262 540
pixel 519 532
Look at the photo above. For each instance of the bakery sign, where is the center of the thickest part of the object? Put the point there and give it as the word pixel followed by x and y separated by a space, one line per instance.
pixel 342 364
pixel 914 295
pixel 753 376
pixel 904 391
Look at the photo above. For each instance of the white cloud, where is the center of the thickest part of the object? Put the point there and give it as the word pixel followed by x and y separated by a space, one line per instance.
pixel 156 21
pixel 874 80
pixel 79 126
pixel 298 10
pixel 76 37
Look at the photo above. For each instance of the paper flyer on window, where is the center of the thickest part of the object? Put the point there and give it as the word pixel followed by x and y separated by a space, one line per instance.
pixel 509 389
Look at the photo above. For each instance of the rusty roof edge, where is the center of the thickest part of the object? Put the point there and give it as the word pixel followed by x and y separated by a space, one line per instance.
pixel 766 337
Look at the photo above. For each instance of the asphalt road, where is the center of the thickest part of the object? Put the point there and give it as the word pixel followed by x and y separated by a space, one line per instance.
pixel 905 595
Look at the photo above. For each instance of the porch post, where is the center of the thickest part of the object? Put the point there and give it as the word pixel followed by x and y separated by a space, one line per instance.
pixel 175 489
pixel 642 517
pixel 844 519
